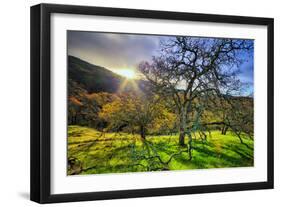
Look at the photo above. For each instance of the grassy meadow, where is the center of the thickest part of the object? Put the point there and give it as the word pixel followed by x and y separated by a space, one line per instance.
pixel 93 152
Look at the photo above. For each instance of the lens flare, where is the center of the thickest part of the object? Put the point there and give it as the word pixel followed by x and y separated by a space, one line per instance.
pixel 127 73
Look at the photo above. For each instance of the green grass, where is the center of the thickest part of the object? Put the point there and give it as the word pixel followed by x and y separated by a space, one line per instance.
pixel 91 152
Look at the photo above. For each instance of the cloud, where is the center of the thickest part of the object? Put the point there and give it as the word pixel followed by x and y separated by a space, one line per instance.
pixel 110 50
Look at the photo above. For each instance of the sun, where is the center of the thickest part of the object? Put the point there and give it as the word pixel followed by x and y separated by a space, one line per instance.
pixel 127 73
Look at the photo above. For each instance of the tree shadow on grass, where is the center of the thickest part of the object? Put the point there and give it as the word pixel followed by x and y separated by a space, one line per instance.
pixel 221 158
pixel 245 154
pixel 164 147
pixel 116 157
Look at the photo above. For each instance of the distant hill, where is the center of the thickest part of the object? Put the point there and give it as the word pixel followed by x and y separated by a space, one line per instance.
pixel 84 77
pixel 91 77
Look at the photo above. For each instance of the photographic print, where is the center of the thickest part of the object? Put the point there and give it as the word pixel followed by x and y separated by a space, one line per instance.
pixel 140 103
pixel 120 105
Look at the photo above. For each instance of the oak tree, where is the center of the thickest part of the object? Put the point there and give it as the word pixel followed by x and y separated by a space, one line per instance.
pixel 190 68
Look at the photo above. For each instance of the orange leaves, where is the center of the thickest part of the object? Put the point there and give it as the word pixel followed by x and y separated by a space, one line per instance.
pixel 75 101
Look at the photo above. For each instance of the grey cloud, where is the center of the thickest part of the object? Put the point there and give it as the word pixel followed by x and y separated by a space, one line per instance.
pixel 112 50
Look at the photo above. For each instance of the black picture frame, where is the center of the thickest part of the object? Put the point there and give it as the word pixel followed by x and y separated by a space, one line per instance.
pixel 41 96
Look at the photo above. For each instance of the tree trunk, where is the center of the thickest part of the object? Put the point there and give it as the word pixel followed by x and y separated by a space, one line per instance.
pixel 181 138
pixel 142 132
pixel 224 129
pixel 190 146
pixel 182 126
pixel 74 119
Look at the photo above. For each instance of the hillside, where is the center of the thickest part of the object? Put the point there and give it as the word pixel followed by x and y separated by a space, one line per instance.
pixel 84 77
pixel 91 77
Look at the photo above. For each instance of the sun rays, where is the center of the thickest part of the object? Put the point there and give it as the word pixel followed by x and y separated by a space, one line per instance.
pixel 128 84
pixel 127 73
pixel 130 80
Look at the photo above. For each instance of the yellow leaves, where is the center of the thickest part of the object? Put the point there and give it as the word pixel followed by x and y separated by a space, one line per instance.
pixel 135 110
pixel 101 98
pixel 109 110
pixel 165 121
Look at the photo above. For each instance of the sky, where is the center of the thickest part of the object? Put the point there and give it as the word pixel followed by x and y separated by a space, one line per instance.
pixel 117 52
